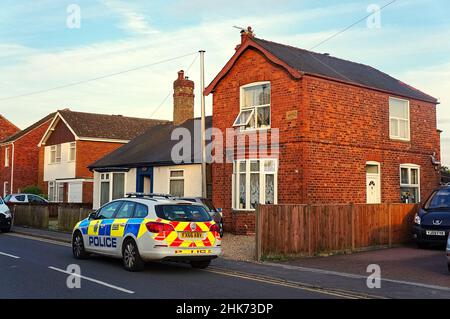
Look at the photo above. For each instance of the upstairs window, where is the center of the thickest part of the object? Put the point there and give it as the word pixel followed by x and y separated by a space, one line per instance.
pixel 254 107
pixel 72 151
pixel 55 154
pixel 399 119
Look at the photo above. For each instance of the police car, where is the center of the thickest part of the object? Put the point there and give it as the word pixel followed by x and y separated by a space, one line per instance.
pixel 149 227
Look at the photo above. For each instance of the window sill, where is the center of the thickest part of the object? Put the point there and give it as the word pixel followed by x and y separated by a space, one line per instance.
pixel 398 139
pixel 250 130
pixel 236 210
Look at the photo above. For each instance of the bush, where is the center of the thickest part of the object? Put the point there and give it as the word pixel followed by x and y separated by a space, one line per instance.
pixel 32 190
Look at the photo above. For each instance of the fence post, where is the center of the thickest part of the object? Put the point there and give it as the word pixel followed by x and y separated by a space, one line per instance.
pixel 308 214
pixel 258 233
pixel 390 224
pixel 352 216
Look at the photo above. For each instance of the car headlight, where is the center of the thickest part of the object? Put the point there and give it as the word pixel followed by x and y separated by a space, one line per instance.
pixel 417 219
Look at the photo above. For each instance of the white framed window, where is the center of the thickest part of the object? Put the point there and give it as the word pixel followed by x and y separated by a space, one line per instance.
pixel 52 191
pixel 254 182
pixel 118 185
pixel 254 106
pixel 399 124
pixel 6 156
pixel 176 182
pixel 55 154
pixel 410 183
pixel 72 151
pixel 104 188
pixel 6 190
pixel 60 194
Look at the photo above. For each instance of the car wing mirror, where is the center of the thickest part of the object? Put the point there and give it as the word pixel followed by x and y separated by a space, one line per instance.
pixel 92 215
pixel 219 210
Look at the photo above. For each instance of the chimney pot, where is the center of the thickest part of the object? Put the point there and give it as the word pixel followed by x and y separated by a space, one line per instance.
pixel 245 34
pixel 180 75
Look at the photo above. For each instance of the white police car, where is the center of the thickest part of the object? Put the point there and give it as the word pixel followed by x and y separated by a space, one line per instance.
pixel 6 220
pixel 147 227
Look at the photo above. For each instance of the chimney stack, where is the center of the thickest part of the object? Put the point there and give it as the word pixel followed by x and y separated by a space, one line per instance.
pixel 245 34
pixel 183 99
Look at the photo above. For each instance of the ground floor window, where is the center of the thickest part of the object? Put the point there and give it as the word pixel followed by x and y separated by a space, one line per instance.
pixel 56 192
pixel 176 183
pixel 254 182
pixel 112 186
pixel 410 183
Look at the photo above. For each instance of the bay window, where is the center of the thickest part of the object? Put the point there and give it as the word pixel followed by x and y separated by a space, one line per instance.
pixel 410 183
pixel 254 106
pixel 254 182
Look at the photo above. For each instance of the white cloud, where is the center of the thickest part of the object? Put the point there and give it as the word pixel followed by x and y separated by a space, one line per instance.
pixel 131 19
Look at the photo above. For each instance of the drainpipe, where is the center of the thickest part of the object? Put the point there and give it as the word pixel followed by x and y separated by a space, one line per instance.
pixel 11 189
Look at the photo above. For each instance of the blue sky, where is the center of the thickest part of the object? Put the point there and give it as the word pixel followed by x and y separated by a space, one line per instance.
pixel 38 51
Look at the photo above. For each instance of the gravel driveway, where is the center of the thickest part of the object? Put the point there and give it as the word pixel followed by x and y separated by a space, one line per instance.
pixel 238 247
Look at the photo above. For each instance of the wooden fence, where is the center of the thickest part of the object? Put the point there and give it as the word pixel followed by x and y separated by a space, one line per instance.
pixel 39 216
pixel 309 230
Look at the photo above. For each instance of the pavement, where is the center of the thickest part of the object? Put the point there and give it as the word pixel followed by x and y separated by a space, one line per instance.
pixel 33 264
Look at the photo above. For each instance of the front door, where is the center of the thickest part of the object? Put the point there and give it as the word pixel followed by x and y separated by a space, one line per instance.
pixel 373 183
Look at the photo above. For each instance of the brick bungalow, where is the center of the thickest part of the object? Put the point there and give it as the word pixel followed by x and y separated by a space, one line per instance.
pixel 72 142
pixel 146 163
pixel 19 157
pixel 347 132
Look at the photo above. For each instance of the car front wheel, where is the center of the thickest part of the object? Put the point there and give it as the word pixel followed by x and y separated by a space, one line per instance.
pixel 132 260
pixel 78 247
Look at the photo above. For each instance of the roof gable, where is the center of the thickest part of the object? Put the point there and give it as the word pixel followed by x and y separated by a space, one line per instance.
pixel 100 127
pixel 7 128
pixel 29 129
pixel 323 65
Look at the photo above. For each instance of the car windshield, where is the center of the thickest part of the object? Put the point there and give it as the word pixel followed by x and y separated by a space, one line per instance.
pixel 439 200
pixel 7 198
pixel 183 213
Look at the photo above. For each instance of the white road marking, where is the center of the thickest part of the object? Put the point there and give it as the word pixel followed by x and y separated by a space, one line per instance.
pixel 9 255
pixel 45 240
pixel 93 280
pixel 347 275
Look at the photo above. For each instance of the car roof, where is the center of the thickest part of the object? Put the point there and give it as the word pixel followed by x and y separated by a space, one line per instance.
pixel 155 201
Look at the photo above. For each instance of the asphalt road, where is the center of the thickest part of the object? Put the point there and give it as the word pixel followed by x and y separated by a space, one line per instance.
pixel 36 269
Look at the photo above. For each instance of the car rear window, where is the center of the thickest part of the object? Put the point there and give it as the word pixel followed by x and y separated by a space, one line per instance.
pixel 439 200
pixel 183 213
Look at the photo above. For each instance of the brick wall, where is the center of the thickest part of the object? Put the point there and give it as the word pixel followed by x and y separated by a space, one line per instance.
pixel 26 160
pixel 324 145
pixel 89 152
pixel 7 128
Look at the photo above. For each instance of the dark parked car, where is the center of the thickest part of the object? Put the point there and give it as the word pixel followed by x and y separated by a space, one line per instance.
pixel 216 214
pixel 432 223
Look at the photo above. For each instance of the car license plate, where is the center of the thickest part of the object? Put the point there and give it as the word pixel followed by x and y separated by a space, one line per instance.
pixel 435 233
pixel 193 251
pixel 191 235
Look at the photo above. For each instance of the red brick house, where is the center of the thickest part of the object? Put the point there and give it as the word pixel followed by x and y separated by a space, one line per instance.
pixel 19 157
pixel 7 128
pixel 347 132
pixel 72 142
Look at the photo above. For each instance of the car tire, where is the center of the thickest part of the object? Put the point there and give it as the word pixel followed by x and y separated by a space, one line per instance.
pixel 78 250
pixel 221 229
pixel 200 264
pixel 422 245
pixel 131 258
